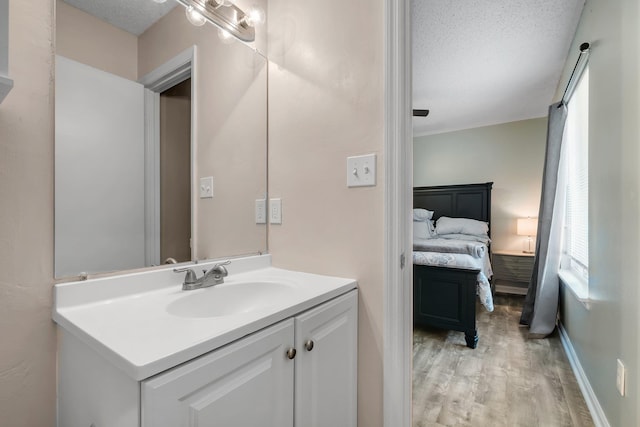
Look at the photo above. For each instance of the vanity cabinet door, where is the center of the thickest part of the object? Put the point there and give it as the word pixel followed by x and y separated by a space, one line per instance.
pixel 326 365
pixel 248 383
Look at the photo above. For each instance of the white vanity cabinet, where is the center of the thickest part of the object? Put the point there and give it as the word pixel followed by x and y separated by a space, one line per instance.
pixel 247 383
pixel 136 351
pixel 326 364
pixel 309 360
pixel 253 381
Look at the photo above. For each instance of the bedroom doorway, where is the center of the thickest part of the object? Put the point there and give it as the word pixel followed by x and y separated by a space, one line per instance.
pixel 452 384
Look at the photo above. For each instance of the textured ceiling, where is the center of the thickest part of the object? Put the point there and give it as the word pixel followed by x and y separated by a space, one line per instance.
pixel 483 62
pixel 134 16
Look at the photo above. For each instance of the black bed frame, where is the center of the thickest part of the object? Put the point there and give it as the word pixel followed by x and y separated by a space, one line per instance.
pixel 445 297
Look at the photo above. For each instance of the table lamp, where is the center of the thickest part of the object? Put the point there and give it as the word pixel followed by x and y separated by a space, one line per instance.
pixel 527 227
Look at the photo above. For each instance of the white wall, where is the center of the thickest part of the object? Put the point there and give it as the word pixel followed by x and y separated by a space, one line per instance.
pixel 609 328
pixel 510 154
pixel 27 333
pixel 99 175
pixel 326 102
pixel 89 40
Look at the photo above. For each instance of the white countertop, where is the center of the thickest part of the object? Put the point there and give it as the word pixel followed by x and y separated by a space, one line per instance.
pixel 124 318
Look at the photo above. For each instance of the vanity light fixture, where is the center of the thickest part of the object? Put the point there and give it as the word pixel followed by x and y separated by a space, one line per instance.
pixel 159 1
pixel 255 16
pixel 219 3
pixel 194 16
pixel 224 15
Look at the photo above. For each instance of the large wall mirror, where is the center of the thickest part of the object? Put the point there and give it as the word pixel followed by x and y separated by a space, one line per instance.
pixel 160 139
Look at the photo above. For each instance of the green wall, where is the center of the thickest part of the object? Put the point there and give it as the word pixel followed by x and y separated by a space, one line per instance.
pixel 509 154
pixel 609 328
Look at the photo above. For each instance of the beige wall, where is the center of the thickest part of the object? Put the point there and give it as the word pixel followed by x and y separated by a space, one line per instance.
pixel 510 154
pixel 91 41
pixel 231 145
pixel 326 103
pixel 609 328
pixel 27 334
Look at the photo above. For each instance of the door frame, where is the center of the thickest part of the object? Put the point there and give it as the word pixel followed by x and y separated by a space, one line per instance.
pixel 398 158
pixel 176 70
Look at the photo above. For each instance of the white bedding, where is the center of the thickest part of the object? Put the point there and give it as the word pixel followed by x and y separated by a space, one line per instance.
pixel 463 260
pixel 459 246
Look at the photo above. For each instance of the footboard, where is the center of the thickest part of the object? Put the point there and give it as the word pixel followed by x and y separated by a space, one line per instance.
pixel 445 297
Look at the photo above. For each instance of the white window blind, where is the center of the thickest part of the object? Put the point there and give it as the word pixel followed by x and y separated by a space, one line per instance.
pixel 576 244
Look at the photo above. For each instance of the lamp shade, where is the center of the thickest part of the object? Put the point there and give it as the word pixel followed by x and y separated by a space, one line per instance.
pixel 527 226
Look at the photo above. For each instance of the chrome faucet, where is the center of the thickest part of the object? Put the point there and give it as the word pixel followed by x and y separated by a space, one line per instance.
pixel 214 276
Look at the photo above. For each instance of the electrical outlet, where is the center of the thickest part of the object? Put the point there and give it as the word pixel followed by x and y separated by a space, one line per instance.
pixel 261 211
pixel 275 211
pixel 620 377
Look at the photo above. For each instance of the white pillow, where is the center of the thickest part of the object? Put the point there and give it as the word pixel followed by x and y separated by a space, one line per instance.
pixel 422 215
pixel 446 225
pixel 423 229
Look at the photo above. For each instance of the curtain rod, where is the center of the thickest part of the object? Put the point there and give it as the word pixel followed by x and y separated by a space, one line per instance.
pixel 575 74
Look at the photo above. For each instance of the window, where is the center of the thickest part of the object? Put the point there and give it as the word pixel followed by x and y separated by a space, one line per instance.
pixel 575 259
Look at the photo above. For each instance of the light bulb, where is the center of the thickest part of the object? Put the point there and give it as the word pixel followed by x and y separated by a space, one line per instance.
pixel 225 35
pixel 255 16
pixel 195 17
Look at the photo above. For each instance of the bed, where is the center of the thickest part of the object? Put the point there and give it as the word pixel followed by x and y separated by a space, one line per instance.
pixel 445 296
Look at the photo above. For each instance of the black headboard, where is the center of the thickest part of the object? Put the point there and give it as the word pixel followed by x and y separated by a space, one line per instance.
pixel 456 201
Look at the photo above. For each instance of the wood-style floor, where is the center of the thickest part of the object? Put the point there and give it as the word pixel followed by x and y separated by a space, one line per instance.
pixel 507 380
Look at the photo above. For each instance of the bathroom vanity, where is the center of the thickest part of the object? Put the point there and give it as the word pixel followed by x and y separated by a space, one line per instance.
pixel 269 347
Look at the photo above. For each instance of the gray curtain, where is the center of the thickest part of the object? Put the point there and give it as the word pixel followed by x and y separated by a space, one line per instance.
pixel 541 304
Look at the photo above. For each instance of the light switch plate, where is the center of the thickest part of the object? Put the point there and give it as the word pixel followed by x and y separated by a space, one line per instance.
pixel 361 171
pixel 261 211
pixel 275 211
pixel 206 187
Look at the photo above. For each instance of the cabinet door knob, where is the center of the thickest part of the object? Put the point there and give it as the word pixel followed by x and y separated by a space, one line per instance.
pixel 309 345
pixel 291 353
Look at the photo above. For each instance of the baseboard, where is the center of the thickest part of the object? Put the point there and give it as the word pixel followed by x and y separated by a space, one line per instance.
pixel 599 419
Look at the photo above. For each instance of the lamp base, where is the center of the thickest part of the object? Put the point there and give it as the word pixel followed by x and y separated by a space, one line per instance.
pixel 527 247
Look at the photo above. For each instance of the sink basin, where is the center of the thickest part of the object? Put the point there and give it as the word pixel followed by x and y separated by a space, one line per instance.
pixel 229 299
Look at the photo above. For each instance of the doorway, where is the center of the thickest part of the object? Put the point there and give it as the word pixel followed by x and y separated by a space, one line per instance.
pixel 170 99
pixel 175 172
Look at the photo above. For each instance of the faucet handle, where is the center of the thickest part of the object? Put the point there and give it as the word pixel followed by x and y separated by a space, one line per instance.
pixel 220 264
pixel 189 278
pixel 218 271
pixel 220 267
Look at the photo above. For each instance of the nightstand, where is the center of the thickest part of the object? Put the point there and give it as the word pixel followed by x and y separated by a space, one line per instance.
pixel 511 271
